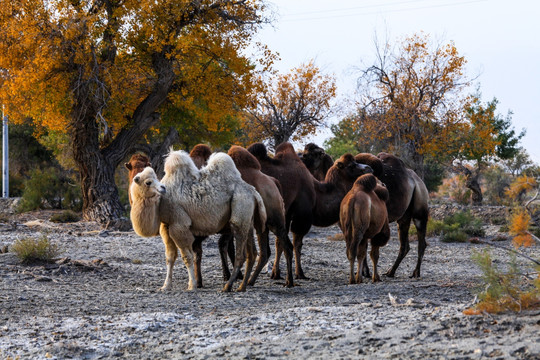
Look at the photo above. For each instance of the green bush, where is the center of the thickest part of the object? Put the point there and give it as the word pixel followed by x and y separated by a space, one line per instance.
pixel 466 222
pixel 30 250
pixel 454 235
pixel 49 189
pixel 66 216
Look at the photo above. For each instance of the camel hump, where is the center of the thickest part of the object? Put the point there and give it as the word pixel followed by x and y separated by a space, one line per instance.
pixel 382 192
pixel 259 151
pixel 367 182
pixel 243 158
pixel 286 150
pixel 392 161
pixel 373 161
pixel 223 164
pixel 202 151
pixel 177 160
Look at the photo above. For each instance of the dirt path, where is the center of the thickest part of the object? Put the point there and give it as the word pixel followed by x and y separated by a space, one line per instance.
pixel 102 301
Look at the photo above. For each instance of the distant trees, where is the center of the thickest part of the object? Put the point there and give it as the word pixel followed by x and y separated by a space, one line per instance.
pixel 290 106
pixel 108 72
pixel 412 97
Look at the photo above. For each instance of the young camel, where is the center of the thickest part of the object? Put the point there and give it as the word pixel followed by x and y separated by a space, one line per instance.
pixel 408 200
pixel 363 217
pixel 197 203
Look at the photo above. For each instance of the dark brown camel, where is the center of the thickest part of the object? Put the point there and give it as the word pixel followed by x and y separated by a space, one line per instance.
pixel 364 217
pixel 316 160
pixel 408 200
pixel 135 165
pixel 307 201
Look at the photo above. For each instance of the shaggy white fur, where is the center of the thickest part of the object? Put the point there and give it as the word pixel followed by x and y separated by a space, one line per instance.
pixel 202 202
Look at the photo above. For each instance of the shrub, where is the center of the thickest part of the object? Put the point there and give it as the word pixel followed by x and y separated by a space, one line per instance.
pixel 503 291
pixel 466 222
pixel 30 250
pixel 49 189
pixel 66 216
pixel 454 235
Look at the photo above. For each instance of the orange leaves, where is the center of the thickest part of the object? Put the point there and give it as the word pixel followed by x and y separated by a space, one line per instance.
pixel 522 184
pixel 290 106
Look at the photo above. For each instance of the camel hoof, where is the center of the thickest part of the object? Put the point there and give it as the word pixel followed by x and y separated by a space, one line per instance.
pixel 302 277
pixel 415 274
pixel 276 277
pixel 241 289
pixel 226 288
pixel 390 273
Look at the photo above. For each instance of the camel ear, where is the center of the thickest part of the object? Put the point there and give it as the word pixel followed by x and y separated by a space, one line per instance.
pixel 128 166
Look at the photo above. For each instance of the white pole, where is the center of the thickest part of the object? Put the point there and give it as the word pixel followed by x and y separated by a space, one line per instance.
pixel 5 156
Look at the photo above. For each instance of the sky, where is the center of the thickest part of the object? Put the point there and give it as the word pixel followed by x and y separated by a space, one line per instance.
pixel 499 39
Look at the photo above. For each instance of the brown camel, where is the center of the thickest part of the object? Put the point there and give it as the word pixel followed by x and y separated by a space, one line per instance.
pixel 135 165
pixel 408 200
pixel 307 201
pixel 316 160
pixel 197 203
pixel 363 217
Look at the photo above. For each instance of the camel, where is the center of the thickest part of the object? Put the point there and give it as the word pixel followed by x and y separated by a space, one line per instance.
pixel 408 200
pixel 270 191
pixel 135 165
pixel 363 217
pixel 316 160
pixel 307 201
pixel 197 203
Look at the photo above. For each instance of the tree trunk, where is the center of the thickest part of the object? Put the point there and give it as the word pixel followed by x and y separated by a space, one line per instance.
pixel 472 182
pixel 97 165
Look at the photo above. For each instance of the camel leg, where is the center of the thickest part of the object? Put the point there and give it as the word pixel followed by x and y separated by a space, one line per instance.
pixel 184 240
pixel 224 242
pixel 361 256
pixel 365 269
pixel 286 245
pixel 197 249
pixel 421 227
pixel 241 239
pixel 251 252
pixel 352 247
pixel 264 247
pixel 375 259
pixel 404 247
pixel 276 272
pixel 171 253
pixel 298 243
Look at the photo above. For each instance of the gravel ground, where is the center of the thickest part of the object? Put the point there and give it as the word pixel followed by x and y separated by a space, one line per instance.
pixel 101 301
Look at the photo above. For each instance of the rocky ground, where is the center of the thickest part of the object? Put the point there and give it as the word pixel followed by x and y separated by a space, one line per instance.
pixel 100 300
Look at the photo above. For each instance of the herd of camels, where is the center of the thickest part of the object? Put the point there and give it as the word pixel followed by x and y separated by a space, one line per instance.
pixel 247 190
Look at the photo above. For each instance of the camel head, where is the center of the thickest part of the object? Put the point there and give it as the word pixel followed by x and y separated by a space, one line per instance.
pixel 146 192
pixel 312 156
pixel 349 169
pixel 146 185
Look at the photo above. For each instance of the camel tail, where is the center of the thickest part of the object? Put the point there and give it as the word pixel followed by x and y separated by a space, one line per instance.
pixel 260 212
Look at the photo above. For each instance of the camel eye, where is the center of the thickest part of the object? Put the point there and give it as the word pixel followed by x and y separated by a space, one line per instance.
pixel 137 179
pixel 148 182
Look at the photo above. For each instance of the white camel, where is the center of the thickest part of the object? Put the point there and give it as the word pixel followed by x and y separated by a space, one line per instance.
pixel 190 202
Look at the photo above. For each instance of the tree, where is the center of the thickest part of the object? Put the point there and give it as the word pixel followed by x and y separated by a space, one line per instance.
pixel 414 91
pixel 290 106
pixel 104 71
pixel 485 135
